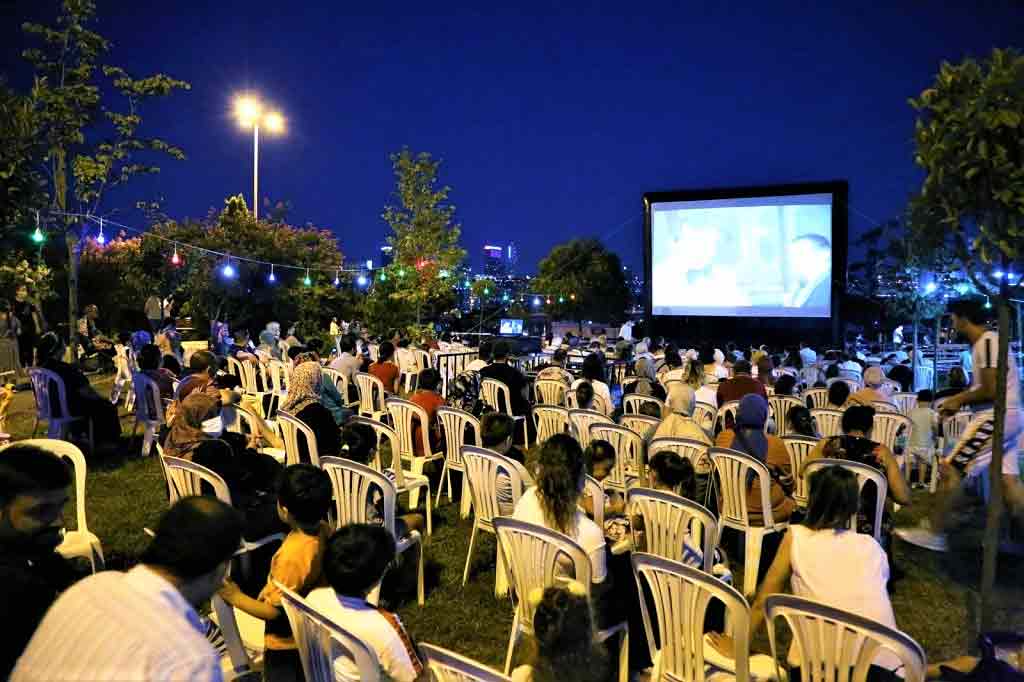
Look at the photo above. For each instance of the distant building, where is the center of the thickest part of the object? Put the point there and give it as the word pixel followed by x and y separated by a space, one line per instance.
pixel 495 265
pixel 511 258
pixel 386 256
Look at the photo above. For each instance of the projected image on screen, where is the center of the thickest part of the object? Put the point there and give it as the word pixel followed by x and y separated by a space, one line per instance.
pixel 762 256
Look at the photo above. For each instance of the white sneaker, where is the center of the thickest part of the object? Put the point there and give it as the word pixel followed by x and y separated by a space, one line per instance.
pixel 922 537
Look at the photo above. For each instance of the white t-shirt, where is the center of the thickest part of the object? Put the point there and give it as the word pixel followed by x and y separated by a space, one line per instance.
pixel 707 394
pixel 380 630
pixel 476 365
pixel 985 356
pixel 856 584
pixel 808 356
pixel 588 534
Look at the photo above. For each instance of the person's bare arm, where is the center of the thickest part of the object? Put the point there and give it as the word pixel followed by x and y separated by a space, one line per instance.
pixel 899 492
pixel 985 393
pixel 231 593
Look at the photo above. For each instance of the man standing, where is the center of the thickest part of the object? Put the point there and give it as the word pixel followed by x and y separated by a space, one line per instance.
pixel 143 624
pixel 154 312
pixel 33 492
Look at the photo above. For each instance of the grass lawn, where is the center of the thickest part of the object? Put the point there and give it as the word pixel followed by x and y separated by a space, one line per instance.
pixel 936 602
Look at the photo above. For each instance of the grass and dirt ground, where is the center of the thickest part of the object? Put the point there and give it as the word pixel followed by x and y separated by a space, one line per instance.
pixel 936 602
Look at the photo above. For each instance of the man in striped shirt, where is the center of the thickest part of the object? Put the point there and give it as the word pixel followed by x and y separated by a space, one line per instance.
pixel 142 624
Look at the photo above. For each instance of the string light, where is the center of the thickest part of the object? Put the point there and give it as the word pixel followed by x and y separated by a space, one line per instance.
pixel 561 299
pixel 228 270
pixel 38 237
pixel 175 258
pixel 487 292
pixel 100 239
pixel 361 281
pixel 271 277
pixel 549 301
pixel 383 276
pixel 337 278
pixel 536 300
pixel 443 274
pixel 572 296
pixel 306 280
pixel 401 272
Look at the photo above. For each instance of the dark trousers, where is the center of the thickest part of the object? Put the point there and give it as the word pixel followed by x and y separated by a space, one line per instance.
pixel 282 665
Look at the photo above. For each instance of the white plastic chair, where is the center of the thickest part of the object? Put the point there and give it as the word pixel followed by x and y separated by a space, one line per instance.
pixel 123 377
pixel 243 639
pixel 403 413
pixel 353 486
pixel 864 473
pixel 853 383
pixel 454 423
pixel 149 410
pixel 884 406
pixel 482 470
pixel 247 424
pixel 632 402
pixel 704 414
pixel 582 420
pixel 291 429
pixel 592 489
pixel 640 424
pixel 549 420
pixel 681 595
pixel 836 645
pixel 667 520
pixel 550 392
pixel 732 468
pixel 57 426
pixel 829 422
pixel 321 642
pixel 799 449
pixel 816 398
pixel 779 407
pixel 724 411
pixel 693 450
pixel 371 395
pixel 407 368
pixel 534 557
pixel 497 395
pixel 953 427
pixel 448 666
pixel 280 376
pixel 905 402
pixel 887 427
pixel 236 370
pixel 630 452
pixel 80 542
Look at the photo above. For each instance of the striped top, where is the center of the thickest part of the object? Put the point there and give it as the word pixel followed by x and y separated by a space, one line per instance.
pixel 120 626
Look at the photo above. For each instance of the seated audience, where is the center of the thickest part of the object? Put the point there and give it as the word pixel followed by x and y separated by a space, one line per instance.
pixel 600 462
pixel 739 385
pixel 303 499
pixel 33 494
pixel 330 396
pixel 356 559
pixel 695 379
pixel 241 349
pixel 203 366
pixel 584 392
pixel 142 624
pixel 871 392
pixel 838 395
pixel 673 368
pixel 593 372
pixel 800 422
pixel 957 380
pixel 807 561
pixel 427 397
pixel 496 431
pixel 501 371
pixel 483 357
pixel 348 364
pixel 556 369
pixel 385 368
pixel 748 436
pixel 303 403
pixel 785 385
pixel 269 345
pixel 765 370
pixel 903 374
pixel 645 381
pixel 679 423
pixel 149 364
pixel 83 400
pixel 563 633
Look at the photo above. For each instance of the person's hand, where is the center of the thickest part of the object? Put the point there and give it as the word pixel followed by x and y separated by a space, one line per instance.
pixel 950 406
pixel 723 644
pixel 229 591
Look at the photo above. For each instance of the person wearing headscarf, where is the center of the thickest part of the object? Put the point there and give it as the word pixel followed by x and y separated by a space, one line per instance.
pixel 330 395
pixel 646 382
pixel 679 422
pixel 748 436
pixel 303 403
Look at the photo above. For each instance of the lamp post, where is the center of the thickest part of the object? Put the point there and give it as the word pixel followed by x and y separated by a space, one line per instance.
pixel 250 112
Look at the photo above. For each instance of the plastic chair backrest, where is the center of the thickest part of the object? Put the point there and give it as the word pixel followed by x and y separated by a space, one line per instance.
pixel 838 646
pixel 884 406
pixel 185 478
pixel 550 420
pixel 496 394
pixel 732 468
pixel 629 453
pixel 41 381
pixel 640 424
pixel 681 595
pixel 632 402
pixel 321 642
pixel 887 426
pixel 592 489
pixel 64 450
pixel 448 666
pixel 667 520
pixel 235 369
pixel 953 426
pixel 905 402
pixel 383 433
pixel 353 485
pixel 403 412
pixel 371 393
pixel 550 392
pixel 864 473
pixel 778 408
pixel 799 449
pixel 829 422
pixel 482 469
pixel 148 405
pixel 704 414
pixel 536 556
pixel 816 398
pixel 453 425
pixel 334 376
pixel 291 427
pixel 423 360
pixel 693 450
pixel 854 384
pixel 582 420
pixel 280 376
pixel 601 405
pixel 724 412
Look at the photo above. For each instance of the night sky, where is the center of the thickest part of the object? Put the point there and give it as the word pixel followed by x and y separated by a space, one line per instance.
pixel 552 119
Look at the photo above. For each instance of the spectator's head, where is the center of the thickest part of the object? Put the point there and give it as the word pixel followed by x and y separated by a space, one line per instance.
pixel 50 347
pixel 564 632
pixel 485 351
pixel 358 442
pixel 741 367
pixel 356 558
pixel 600 457
pixel 800 422
pixel 496 429
pixel 925 397
pixel 33 493
pixel 347 344
pixel 403 343
pixel 649 409
pixel 957 378
pixel 149 358
pixel 858 420
pixel 303 496
pixel 294 352
pixel 752 412
pixel 171 364
pixel 694 375
pixel 502 349
pixel 681 400
pixel 707 355
pixel 275 330
pixel 593 368
pixel 832 371
pixel 560 480
pixel 91 311
pixel 833 499
pixel 873 376
pixel 838 394
pixel 194 544
pixel 558 359
pixel 644 369
pixel 21 293
pixel 673 359
pixel 203 362
pixel 385 351
pixel 785 385
pixel 124 338
pixel 429 379
pixel 765 369
pixel 967 314
pixel 669 471
pixel 241 336
pixel 584 395
pixel 315 345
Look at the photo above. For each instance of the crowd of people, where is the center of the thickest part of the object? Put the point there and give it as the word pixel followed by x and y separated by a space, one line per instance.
pixel 145 623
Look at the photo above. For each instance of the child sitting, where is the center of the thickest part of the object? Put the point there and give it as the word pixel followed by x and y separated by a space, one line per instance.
pixel 303 498
pixel 123 365
pixel 923 435
pixel 355 562
pixel 496 431
pixel 600 458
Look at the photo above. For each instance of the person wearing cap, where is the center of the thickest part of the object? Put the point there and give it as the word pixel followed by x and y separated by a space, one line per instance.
pixel 873 378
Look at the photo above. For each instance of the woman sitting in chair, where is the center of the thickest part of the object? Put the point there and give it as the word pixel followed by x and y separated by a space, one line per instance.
pixel 83 400
pixel 593 372
pixel 304 404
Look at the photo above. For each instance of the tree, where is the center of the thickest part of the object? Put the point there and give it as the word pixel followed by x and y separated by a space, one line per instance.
pixel 68 104
pixel 425 239
pixel 583 279
pixel 970 143
pixel 22 186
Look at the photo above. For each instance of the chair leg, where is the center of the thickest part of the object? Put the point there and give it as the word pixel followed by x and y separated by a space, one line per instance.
pixel 469 556
pixel 752 560
pixel 444 472
pixel 500 577
pixel 419 576
pixel 466 500
pixel 624 656
pixel 416 468
pixel 513 638
pixel 430 512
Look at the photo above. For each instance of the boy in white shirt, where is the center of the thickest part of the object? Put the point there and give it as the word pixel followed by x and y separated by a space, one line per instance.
pixel 922 435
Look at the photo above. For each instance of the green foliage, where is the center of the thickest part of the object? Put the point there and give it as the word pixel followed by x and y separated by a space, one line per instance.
pixel 587 278
pixel 38 277
pixel 21 183
pixel 970 141
pixel 484 289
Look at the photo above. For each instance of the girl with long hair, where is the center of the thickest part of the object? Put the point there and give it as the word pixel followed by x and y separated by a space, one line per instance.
pixel 563 638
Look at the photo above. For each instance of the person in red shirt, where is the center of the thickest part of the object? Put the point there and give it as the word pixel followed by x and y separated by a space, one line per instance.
pixel 386 369
pixel 740 384
pixel 427 397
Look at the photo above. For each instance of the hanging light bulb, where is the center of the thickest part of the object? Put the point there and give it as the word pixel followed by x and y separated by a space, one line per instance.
pixel 401 272
pixel 536 300
pixel 100 239
pixel 228 270
pixel 361 281
pixel 549 300
pixel 337 277
pixel 383 276
pixel 561 299
pixel 572 296
pixel 175 258
pixel 38 237
pixel 306 280
pixel 487 292
pixel 271 277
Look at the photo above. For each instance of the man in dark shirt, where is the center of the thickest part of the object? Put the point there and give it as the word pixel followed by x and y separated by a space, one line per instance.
pixel 739 385
pixel 33 492
pixel 500 370
pixel 904 374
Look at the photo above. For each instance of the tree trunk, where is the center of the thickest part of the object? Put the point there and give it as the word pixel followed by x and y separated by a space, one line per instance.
pixel 913 359
pixel 935 362
pixel 74 254
pixel 995 469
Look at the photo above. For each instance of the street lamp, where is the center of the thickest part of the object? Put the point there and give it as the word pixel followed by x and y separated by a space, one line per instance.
pixel 250 112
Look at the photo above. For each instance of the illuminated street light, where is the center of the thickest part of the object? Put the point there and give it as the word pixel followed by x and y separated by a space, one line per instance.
pixel 250 112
